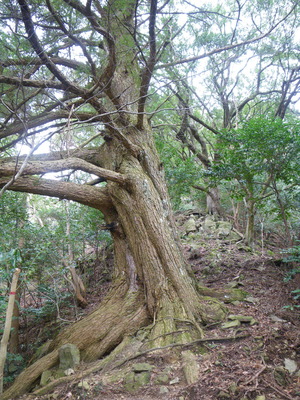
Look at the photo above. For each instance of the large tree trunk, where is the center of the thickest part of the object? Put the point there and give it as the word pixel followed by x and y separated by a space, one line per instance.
pixel 151 282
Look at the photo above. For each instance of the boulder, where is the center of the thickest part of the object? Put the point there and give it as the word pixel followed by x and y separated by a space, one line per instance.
pixel 210 225
pixel 190 225
pixel 224 229
pixel 69 356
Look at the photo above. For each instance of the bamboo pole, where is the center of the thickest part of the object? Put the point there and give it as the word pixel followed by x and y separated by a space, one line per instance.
pixel 7 326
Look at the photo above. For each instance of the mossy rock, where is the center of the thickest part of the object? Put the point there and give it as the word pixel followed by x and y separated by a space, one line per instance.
pixel 133 381
pixel 162 379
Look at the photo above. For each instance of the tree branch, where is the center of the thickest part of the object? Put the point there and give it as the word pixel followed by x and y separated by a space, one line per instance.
pixel 36 61
pixel 42 167
pixel 85 194
pixel 45 118
pixel 34 41
pixel 149 68
pixel 49 84
pixel 225 48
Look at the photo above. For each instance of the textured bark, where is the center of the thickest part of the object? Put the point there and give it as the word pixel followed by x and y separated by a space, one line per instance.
pixel 151 283
pixel 151 279
pixel 249 235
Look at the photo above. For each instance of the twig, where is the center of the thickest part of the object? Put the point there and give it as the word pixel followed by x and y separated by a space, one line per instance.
pixel 255 376
pixel 284 395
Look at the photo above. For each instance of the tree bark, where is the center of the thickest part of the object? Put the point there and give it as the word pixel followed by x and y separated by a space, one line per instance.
pixel 249 235
pixel 151 282
pixel 7 327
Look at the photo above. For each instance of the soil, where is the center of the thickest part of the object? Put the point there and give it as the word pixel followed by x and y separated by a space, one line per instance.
pixel 242 363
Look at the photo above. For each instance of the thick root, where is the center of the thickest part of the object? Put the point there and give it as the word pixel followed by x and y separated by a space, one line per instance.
pixel 95 335
pixel 121 314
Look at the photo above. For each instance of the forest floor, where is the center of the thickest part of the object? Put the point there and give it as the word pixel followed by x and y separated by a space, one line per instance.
pixel 263 364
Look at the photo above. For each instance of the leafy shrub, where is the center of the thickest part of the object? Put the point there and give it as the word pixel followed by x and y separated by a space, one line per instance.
pixel 14 364
pixel 293 258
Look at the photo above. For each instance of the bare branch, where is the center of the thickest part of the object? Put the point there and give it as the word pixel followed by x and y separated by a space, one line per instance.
pixel 72 37
pixel 85 194
pixel 50 84
pixel 34 41
pixel 35 61
pixel 149 68
pixel 229 47
pixel 41 167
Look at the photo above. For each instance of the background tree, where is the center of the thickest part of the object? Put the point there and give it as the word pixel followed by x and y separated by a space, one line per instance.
pixel 232 86
pixel 258 156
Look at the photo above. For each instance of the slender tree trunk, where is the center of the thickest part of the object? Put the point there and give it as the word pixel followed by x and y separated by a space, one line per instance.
pixel 15 323
pixel 249 236
pixel 7 327
pixel 282 210
pixel 213 204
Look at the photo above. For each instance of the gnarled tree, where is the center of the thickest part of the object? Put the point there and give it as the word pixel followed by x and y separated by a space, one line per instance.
pixel 70 66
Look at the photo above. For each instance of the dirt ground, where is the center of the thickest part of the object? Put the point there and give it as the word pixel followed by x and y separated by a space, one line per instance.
pixel 246 362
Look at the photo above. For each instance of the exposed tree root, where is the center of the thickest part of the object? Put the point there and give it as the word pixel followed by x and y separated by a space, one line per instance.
pixel 97 334
pixel 127 351
pixel 108 332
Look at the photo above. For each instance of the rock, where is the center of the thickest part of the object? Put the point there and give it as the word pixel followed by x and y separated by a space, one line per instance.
pixel 262 397
pixel 290 365
pixel 243 318
pixel 46 377
pixel 234 295
pixel 163 390
pixel 223 395
pixel 190 225
pixel 162 379
pixel 224 229
pixel 69 356
pixel 134 381
pixel 209 224
pixel 142 378
pixel 190 367
pixel 251 299
pixel 84 384
pixel 233 388
pixel 234 284
pixel 174 381
pixel 230 324
pixel 141 367
pixel 233 237
pixel 69 371
pixel 59 373
pixel 274 318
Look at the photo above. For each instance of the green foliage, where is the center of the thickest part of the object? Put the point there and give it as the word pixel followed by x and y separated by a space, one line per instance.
pixel 181 171
pixel 293 258
pixel 14 364
pixel 52 299
pixel 258 154
pixel 292 255
pixel 260 146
